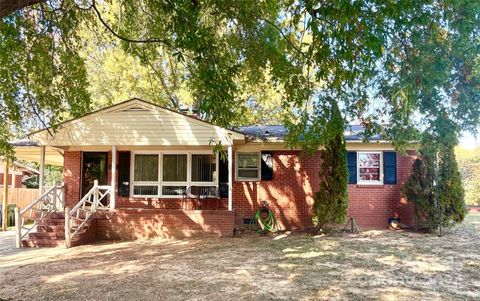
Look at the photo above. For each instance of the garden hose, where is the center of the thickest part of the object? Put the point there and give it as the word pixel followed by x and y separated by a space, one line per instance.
pixel 268 224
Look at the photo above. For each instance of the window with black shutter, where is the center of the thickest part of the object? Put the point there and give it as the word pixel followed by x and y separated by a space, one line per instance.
pixel 267 166
pixel 223 178
pixel 352 167
pixel 390 167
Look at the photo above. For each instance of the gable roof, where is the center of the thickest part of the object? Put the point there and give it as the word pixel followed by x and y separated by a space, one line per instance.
pixel 21 167
pixel 136 122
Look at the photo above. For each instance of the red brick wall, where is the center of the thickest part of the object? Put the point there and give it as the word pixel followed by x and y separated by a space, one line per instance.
pixel 2 179
pixel 18 180
pixel 295 180
pixel 172 203
pixel 72 166
pixel 372 205
pixel 289 194
pixel 168 223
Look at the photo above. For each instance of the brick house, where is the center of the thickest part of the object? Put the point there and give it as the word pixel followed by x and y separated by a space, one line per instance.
pixel 166 180
pixel 16 175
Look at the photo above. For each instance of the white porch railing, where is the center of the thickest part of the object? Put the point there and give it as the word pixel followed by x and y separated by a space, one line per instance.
pixel 85 208
pixel 50 201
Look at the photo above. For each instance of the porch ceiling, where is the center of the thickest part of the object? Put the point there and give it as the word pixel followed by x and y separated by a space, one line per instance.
pixel 53 156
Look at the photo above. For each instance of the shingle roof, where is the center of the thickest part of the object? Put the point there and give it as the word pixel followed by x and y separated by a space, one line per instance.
pixel 24 142
pixel 278 132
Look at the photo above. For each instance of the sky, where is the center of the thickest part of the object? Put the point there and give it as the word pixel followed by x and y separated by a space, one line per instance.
pixel 469 141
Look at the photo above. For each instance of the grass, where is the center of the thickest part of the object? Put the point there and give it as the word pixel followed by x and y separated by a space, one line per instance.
pixel 376 265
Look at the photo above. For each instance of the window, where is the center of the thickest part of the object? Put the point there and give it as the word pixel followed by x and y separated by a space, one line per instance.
pixel 369 167
pixel 248 166
pixel 146 168
pixel 145 174
pixel 174 168
pixel 204 168
pixel 168 174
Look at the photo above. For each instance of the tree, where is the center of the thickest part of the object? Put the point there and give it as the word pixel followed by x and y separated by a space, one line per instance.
pixel 419 188
pixel 389 61
pixel 469 165
pixel 450 189
pixel 441 205
pixel 331 201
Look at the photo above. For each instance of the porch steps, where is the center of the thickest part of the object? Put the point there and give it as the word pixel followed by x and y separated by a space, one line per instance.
pixel 51 232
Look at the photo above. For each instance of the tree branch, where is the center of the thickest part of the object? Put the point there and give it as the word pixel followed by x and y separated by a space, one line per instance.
pixel 126 39
pixel 9 6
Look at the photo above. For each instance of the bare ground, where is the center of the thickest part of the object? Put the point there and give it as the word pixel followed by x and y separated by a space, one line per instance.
pixel 377 265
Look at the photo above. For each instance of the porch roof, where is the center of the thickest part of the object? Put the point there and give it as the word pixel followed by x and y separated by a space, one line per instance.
pixel 136 122
pixel 30 151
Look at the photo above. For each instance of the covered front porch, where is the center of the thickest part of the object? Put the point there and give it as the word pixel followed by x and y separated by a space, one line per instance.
pixel 135 170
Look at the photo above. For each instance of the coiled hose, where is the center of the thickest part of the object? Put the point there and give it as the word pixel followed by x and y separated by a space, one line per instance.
pixel 267 224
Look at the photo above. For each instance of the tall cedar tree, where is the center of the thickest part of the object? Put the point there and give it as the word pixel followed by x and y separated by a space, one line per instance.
pixel 450 190
pixel 331 201
pixel 420 188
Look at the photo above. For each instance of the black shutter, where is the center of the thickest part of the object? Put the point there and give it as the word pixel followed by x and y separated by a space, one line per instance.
pixel 223 178
pixel 267 166
pixel 124 174
pixel 352 167
pixel 390 167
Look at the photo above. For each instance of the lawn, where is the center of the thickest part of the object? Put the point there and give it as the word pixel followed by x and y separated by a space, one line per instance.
pixel 376 265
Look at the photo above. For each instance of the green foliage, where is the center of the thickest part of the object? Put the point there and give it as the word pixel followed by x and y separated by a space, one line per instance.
pixel 384 62
pixel 442 205
pixel 43 77
pixel 419 189
pixel 331 201
pixel 450 189
pixel 469 165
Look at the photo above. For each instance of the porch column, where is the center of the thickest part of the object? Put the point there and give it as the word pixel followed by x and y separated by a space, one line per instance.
pixel 114 176
pixel 41 180
pixel 13 177
pixel 230 177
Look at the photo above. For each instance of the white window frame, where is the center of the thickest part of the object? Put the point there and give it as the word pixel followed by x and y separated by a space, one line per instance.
pixel 370 182
pixel 160 182
pixel 259 166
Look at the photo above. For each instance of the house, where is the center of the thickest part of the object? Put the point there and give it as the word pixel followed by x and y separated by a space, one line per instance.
pixel 165 179
pixel 17 175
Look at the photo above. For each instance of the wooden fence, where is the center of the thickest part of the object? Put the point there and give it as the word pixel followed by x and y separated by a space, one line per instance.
pixel 22 197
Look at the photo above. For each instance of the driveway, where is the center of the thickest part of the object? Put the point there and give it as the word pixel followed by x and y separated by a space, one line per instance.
pixel 11 257
pixel 7 243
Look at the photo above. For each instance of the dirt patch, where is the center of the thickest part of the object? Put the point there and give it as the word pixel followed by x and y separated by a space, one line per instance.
pixel 378 265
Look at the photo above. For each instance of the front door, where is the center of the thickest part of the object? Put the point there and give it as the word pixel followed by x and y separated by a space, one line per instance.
pixel 94 167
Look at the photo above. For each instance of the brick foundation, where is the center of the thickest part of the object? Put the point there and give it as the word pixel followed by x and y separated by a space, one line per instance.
pixel 146 223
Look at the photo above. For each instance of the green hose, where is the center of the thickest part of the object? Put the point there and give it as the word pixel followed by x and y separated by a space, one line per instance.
pixel 267 224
